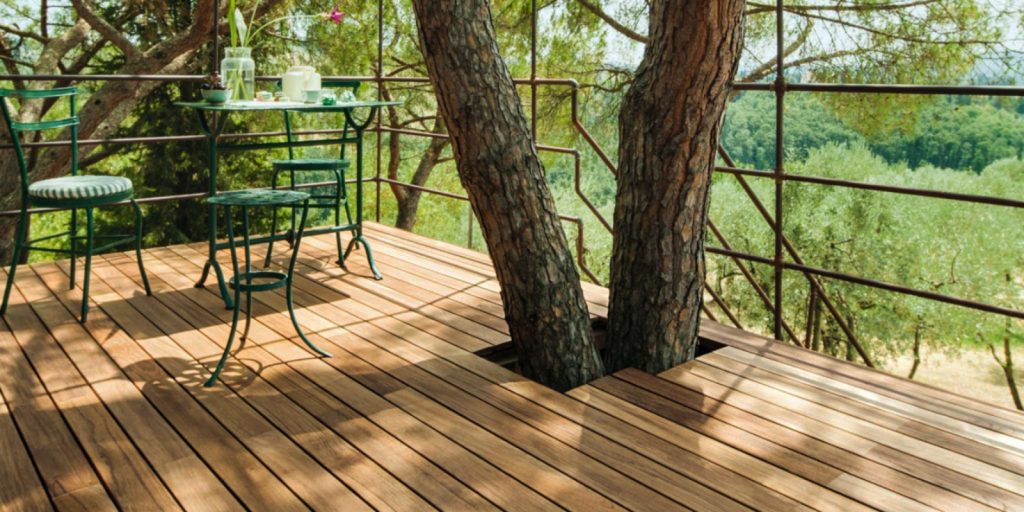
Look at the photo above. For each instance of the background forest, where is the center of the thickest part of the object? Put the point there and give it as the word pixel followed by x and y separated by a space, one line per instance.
pixel 972 145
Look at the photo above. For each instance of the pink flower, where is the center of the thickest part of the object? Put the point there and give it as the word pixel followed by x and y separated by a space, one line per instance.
pixel 335 16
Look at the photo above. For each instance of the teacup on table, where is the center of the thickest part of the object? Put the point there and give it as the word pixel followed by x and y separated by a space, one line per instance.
pixel 311 96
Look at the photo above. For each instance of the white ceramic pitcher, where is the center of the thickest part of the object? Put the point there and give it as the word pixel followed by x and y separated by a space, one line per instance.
pixel 294 82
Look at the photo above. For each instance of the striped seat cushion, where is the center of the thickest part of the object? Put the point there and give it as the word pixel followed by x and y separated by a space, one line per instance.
pixel 80 187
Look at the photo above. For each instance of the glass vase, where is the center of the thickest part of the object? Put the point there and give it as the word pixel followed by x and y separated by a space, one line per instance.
pixel 239 72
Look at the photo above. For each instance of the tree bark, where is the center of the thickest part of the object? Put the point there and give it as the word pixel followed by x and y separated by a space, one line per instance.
pixel 504 178
pixel 668 128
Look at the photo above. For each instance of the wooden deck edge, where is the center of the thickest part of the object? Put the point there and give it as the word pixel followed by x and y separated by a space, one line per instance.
pixel 716 335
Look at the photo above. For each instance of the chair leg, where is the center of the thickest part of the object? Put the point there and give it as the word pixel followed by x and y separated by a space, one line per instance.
pixel 237 302
pixel 138 247
pixel 339 194
pixel 248 319
pixel 89 245
pixel 74 246
pixel 273 224
pixel 227 348
pixel 19 238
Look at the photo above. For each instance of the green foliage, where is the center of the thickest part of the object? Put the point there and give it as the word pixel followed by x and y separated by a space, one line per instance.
pixel 969 136
pixel 953 133
pixel 749 130
pixel 957 249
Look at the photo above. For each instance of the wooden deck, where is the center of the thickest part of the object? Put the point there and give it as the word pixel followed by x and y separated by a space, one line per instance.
pixel 113 415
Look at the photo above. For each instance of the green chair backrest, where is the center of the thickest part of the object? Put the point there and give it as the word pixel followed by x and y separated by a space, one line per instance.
pixel 325 84
pixel 16 128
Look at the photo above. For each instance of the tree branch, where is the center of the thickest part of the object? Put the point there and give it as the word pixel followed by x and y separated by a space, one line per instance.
pixel 612 22
pixel 767 67
pixel 110 32
pixel 22 33
pixel 10 63
pixel 891 35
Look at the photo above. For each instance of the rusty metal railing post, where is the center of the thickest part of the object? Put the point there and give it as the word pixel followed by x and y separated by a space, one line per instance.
pixel 533 70
pixel 380 85
pixel 780 109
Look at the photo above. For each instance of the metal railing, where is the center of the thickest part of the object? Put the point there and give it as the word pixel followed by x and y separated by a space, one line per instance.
pixel 785 255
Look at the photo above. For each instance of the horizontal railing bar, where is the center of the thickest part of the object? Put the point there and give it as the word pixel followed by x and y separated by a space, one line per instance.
pixel 878 187
pixel 432 135
pixel 263 78
pixel 818 180
pixel 968 90
pixel 933 90
pixel 169 138
pixel 154 78
pixel 831 274
pixel 106 78
pixel 176 197
pixel 920 192
pixel 408 131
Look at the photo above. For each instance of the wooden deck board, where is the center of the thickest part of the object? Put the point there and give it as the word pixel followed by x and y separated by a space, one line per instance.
pixel 129 477
pixel 22 490
pixel 965 444
pixel 670 399
pixel 165 451
pixel 405 417
pixel 349 425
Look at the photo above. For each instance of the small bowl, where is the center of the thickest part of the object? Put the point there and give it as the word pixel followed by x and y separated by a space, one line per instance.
pixel 216 96
pixel 312 96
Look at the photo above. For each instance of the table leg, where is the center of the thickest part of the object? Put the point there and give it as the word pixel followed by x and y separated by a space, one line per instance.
pixel 358 233
pixel 212 134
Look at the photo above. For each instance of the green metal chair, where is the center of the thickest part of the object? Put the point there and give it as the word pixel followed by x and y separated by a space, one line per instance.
pixel 72 192
pixel 248 281
pixel 298 166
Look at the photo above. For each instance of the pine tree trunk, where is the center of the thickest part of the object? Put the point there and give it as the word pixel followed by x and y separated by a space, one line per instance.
pixel 669 127
pixel 500 170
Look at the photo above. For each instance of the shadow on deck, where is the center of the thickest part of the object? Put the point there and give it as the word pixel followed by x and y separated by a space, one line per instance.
pixel 113 415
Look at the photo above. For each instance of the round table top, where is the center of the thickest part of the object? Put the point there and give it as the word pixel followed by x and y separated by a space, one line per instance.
pixel 258 197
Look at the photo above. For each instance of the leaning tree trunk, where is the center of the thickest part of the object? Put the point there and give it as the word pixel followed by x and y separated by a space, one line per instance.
pixel 499 167
pixel 668 128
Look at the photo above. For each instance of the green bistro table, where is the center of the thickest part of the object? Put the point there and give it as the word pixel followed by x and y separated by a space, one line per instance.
pixel 248 281
pixel 213 119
